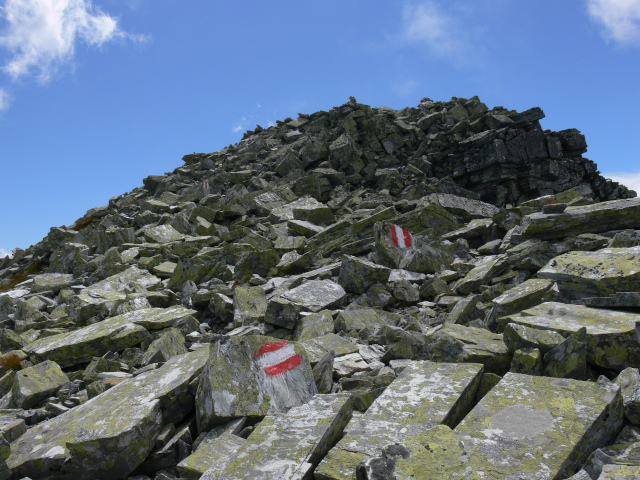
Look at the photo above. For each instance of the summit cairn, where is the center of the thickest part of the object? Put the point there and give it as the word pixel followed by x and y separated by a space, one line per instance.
pixel 441 291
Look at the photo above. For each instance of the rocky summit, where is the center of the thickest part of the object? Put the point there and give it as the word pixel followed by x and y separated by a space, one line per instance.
pixel 438 292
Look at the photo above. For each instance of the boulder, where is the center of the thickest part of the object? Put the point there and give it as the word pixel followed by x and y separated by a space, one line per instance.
pixel 248 376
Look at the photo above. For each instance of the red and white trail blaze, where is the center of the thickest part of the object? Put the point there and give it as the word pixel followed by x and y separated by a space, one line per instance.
pixel 401 237
pixel 277 357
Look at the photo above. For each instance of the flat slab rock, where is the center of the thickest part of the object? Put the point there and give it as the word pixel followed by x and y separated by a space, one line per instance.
pixel 111 434
pixel 612 338
pixel 316 295
pixel 594 274
pixel 288 446
pixel 526 427
pixel 424 395
pixel 596 218
pixel 113 334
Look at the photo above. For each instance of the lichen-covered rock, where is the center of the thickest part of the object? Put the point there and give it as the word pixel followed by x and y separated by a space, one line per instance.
pixel 357 275
pixel 289 446
pixel 79 346
pixel 595 274
pixel 316 295
pixel 527 361
pixel 528 294
pixel 611 336
pixel 248 376
pixel 458 343
pixel 486 269
pixel 600 217
pixel 210 457
pixel 424 395
pixel 168 345
pixel 313 326
pixel 569 359
pixel 629 382
pixel 110 435
pixel 249 305
pixel 52 281
pixel 34 384
pixel 518 336
pixel 547 433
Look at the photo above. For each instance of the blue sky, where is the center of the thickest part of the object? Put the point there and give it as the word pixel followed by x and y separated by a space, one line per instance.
pixel 96 95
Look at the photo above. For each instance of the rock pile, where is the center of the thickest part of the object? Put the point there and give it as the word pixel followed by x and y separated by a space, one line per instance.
pixel 444 291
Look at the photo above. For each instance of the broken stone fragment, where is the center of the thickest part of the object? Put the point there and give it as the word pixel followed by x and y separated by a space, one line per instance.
pixel 527 361
pixel 34 384
pixel 248 376
pixel 168 345
pixel 458 343
pixel 53 282
pixel 249 305
pixel 317 348
pixel 569 359
pixel 316 295
pixel 313 326
pixel 528 294
pixel 629 382
pixel 357 274
pixel 518 336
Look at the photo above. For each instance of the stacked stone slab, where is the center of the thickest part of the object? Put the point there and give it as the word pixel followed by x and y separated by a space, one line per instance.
pixel 410 265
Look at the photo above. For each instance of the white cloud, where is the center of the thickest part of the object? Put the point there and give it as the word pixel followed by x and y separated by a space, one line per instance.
pixel 628 179
pixel 620 19
pixel 452 34
pixel 5 100
pixel 4 253
pixel 405 87
pixel 427 23
pixel 41 35
pixel 237 128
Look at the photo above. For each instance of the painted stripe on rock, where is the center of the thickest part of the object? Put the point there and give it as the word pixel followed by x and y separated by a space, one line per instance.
pixel 401 238
pixel 276 358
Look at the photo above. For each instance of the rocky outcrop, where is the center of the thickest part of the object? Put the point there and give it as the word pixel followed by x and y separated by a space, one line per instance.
pixel 444 291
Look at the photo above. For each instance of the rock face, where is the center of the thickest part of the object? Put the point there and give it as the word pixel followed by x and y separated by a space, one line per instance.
pixel 444 291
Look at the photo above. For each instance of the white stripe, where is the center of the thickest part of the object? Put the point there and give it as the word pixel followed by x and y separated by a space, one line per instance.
pixel 273 358
pixel 400 237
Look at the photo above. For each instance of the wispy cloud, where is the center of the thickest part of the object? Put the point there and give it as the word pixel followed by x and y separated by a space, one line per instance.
pixel 405 87
pixel 620 19
pixel 4 253
pixel 5 99
pixel 41 35
pixel 630 180
pixel 450 35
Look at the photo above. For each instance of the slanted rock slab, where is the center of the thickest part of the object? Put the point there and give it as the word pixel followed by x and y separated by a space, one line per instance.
pixel 611 335
pixel 289 446
pixel 595 274
pixel 111 434
pixel 424 395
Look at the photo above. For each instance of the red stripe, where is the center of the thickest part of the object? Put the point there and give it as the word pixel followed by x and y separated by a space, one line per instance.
pixel 270 347
pixel 393 235
pixel 407 237
pixel 285 366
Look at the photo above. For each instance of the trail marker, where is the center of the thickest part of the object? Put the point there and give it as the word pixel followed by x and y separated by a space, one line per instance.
pixel 277 357
pixel 401 237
